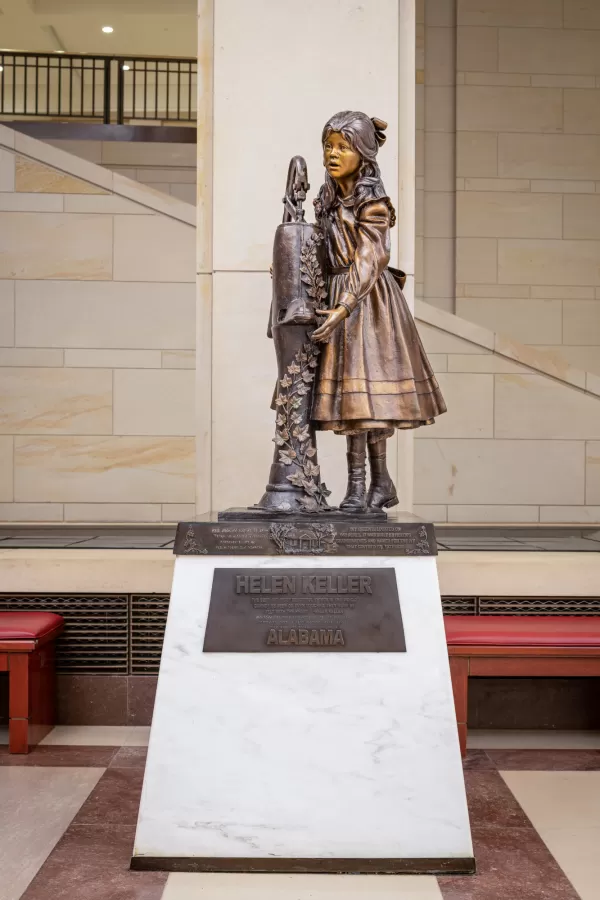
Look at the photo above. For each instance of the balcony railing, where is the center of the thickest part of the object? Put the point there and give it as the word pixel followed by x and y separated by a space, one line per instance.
pixel 105 88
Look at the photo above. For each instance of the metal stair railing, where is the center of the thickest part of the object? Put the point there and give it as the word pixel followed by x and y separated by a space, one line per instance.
pixel 109 89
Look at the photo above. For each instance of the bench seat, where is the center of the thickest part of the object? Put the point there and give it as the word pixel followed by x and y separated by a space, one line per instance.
pixel 518 646
pixel 27 643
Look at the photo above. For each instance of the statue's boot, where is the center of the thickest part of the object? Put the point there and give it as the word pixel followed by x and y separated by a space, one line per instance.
pixel 382 491
pixel 356 495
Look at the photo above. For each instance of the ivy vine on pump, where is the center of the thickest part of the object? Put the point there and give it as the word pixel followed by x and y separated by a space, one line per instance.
pixel 292 436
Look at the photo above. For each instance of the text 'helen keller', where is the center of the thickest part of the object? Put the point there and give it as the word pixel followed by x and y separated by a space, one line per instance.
pixel 303 584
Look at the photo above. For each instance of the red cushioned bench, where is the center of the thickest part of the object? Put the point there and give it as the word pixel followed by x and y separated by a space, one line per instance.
pixel 519 646
pixel 27 641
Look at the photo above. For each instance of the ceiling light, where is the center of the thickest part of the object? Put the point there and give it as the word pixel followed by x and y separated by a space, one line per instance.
pixel 1 68
pixel 108 29
pixel 126 68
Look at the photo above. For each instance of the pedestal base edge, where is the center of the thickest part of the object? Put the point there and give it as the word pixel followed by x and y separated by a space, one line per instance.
pixel 425 866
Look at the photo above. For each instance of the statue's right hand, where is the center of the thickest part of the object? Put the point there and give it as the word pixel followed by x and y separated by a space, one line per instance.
pixel 334 318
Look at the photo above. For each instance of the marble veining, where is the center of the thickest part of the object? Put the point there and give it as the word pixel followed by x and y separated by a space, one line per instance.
pixel 319 755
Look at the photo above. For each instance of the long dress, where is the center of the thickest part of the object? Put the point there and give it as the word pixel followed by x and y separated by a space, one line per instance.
pixel 373 374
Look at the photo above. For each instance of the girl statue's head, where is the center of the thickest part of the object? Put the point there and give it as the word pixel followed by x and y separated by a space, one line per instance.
pixel 350 144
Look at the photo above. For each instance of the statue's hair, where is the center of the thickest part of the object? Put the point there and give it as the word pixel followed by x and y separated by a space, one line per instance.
pixel 365 136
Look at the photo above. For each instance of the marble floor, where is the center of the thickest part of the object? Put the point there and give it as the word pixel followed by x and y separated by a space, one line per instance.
pixel 68 812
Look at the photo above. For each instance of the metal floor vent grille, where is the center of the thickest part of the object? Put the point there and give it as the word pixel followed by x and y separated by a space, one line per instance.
pixel 148 620
pixel 539 606
pixel 105 634
pixel 521 606
pixel 95 639
pixel 122 634
pixel 459 606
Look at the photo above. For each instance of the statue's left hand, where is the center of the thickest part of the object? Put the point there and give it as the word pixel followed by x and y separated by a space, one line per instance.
pixel 334 317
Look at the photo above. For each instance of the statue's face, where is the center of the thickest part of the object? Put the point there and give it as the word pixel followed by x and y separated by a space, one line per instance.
pixel 340 160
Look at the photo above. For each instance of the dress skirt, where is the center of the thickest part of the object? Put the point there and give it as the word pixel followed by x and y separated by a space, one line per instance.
pixel 374 373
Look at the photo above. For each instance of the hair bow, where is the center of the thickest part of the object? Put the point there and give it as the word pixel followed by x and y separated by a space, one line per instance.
pixel 379 126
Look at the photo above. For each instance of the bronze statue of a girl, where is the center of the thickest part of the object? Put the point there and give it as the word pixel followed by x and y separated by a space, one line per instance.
pixel 372 375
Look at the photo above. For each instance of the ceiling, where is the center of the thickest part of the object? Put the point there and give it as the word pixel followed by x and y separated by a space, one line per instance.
pixel 141 27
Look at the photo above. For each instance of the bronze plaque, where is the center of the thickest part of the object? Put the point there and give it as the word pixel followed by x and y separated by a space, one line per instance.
pixel 304 611
pixel 328 534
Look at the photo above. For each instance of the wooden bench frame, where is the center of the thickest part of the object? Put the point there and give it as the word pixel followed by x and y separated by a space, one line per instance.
pixel 31 688
pixel 514 661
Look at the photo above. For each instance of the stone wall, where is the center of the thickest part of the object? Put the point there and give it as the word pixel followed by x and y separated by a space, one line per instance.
pixel 510 167
pixel 521 439
pixel 436 153
pixel 96 342
pixel 167 167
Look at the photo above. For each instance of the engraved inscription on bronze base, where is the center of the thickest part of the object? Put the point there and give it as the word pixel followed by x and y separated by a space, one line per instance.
pixel 303 536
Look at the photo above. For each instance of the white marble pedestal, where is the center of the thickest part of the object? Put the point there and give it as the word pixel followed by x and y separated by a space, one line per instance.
pixel 315 762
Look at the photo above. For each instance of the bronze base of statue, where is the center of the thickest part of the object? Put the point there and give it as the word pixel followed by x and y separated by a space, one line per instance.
pixel 332 514
pixel 248 532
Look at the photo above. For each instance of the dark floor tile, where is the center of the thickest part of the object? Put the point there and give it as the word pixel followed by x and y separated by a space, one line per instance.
pixel 91 862
pixel 491 802
pixel 115 799
pixel 478 760
pixel 130 757
pixel 56 543
pixel 56 530
pixel 51 755
pixel 141 690
pixel 124 543
pixel 563 545
pixel 546 760
pixel 92 699
pixel 512 864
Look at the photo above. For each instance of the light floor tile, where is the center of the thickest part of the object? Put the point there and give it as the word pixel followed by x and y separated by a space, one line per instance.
pixel 299 887
pixel 38 803
pixel 564 810
pixel 558 799
pixel 87 736
pixel 576 851
pixel 98 736
pixel 137 736
pixel 507 739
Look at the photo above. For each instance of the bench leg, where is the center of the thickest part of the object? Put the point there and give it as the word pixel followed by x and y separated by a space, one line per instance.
pixel 18 703
pixel 459 670
pixel 31 698
pixel 41 693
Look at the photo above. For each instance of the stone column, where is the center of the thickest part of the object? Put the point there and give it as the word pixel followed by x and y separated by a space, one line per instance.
pixel 406 212
pixel 280 70
pixel 204 258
